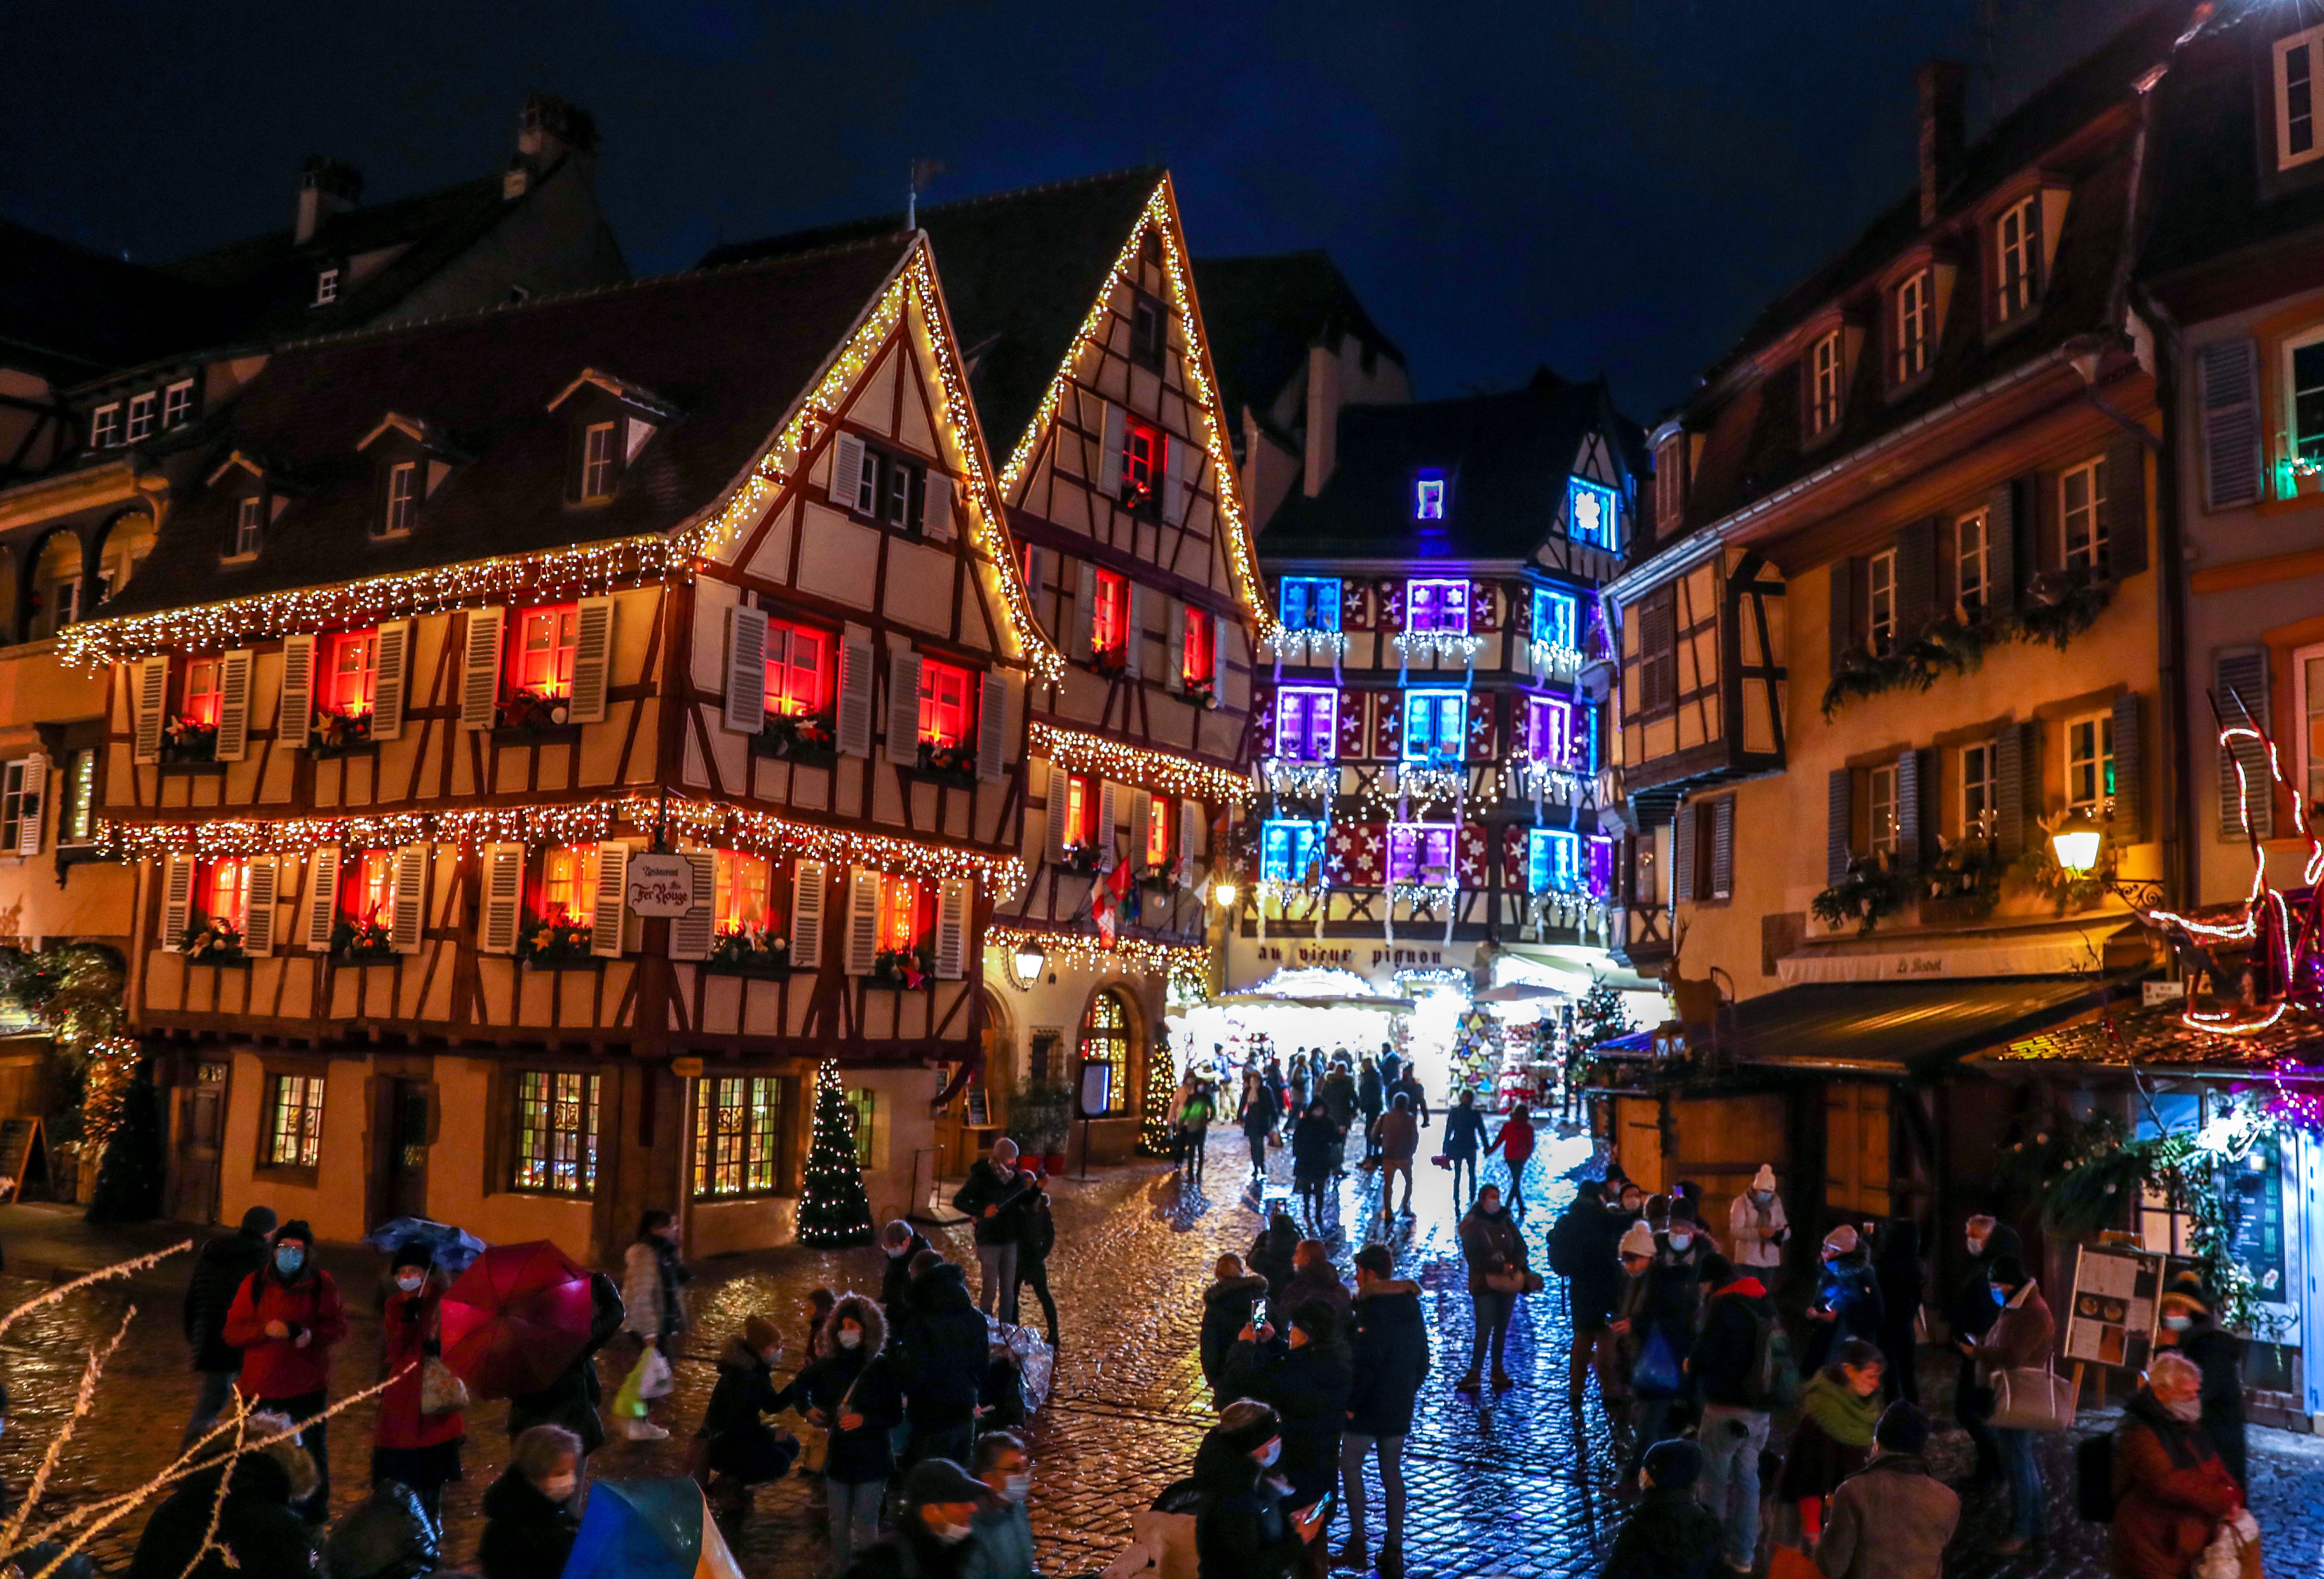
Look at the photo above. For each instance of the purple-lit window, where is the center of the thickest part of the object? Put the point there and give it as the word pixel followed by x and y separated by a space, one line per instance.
pixel 1420 852
pixel 1549 730
pixel 1306 724
pixel 1601 867
pixel 1436 607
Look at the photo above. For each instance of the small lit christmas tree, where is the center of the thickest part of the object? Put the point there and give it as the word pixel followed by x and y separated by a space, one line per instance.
pixel 1601 1016
pixel 1161 1098
pixel 833 1207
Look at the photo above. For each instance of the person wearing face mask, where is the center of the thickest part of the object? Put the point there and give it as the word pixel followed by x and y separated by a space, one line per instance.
pixel 2021 1336
pixel 934 1517
pixel 1660 1312
pixel 653 1297
pixel 1001 1537
pixel 286 1318
pixel 420 1449
pixel 741 1450
pixel 530 1516
pixel 1756 1230
pixel 1669 1535
pixel 856 1395
pixel 2171 1490
pixel 1848 1303
pixel 899 1241
pixel 996 1193
pixel 1970 1313
pixel 2189 1328
pixel 1839 1410
pixel 1302 1374
pixel 1496 1254
pixel 1243 1523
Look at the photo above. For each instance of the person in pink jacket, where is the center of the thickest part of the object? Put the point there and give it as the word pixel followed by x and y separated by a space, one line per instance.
pixel 1515 1143
pixel 286 1318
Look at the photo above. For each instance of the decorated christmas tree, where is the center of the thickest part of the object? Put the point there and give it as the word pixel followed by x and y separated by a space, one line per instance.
pixel 1601 1016
pixel 833 1207
pixel 1161 1096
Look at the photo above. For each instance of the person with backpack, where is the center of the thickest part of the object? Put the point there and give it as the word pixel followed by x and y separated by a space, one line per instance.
pixel 2171 1490
pixel 1892 1519
pixel 1464 1137
pixel 1582 1251
pixel 1739 1365
pixel 1390 1362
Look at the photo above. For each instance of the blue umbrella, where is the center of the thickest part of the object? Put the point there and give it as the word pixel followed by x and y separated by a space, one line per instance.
pixel 648 1529
pixel 454 1249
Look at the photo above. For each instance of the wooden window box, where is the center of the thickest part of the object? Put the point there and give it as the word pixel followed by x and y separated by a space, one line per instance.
pixel 306 1178
pixel 955 771
pixel 353 748
pixel 192 767
pixel 750 970
pixel 784 739
pixel 536 734
pixel 593 963
pixel 227 962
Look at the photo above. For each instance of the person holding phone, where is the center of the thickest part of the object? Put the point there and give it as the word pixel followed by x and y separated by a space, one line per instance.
pixel 1244 1526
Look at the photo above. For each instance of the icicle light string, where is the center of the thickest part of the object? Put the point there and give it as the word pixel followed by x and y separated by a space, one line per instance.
pixel 1078 750
pixel 1085 951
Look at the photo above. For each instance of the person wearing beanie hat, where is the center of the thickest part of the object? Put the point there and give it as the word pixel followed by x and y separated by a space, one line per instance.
pixel 1245 1523
pixel 2189 1327
pixel 1848 1295
pixel 219 1273
pixel 286 1318
pixel 1668 1534
pixel 1757 1229
pixel 742 1451
pixel 1638 1240
pixel 1892 1519
pixel 1661 1312
pixel 2022 1336
pixel 409 1447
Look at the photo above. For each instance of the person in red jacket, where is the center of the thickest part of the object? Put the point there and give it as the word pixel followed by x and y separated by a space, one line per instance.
pixel 1515 1143
pixel 2171 1490
pixel 421 1450
pixel 285 1319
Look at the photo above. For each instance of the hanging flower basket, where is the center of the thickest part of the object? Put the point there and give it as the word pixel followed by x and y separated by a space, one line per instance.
pixel 2064 604
pixel 948 763
pixel 1872 891
pixel 338 730
pixel 529 711
pixel 1111 661
pixel 1079 861
pixel 1202 692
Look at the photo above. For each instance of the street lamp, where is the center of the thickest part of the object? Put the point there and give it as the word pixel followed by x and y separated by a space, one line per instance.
pixel 1223 890
pixel 2075 843
pixel 1028 962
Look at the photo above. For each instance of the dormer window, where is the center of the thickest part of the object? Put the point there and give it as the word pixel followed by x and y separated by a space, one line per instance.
pixel 2017 259
pixel 249 521
pixel 599 455
pixel 2295 98
pixel 1590 513
pixel 1823 383
pixel 402 499
pixel 1148 332
pixel 1141 463
pixel 1670 481
pixel 886 489
pixel 141 415
pixel 326 287
pixel 105 427
pixel 177 403
pixel 1428 496
pixel 1915 317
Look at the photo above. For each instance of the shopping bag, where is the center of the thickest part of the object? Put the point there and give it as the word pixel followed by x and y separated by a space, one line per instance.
pixel 1657 1373
pixel 629 1402
pixel 658 1381
pixel 2032 1398
pixel 441 1391
pixel 2234 1551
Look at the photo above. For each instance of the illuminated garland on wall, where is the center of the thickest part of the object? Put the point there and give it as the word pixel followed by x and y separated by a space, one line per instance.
pixel 1078 750
pixel 560 824
pixel 1241 556
pixel 1087 951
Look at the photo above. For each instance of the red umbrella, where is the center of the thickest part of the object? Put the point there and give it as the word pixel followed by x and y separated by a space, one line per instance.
pixel 515 1320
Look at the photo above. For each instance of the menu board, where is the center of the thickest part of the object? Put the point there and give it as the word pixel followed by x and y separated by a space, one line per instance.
pixel 2110 1319
pixel 2253 1195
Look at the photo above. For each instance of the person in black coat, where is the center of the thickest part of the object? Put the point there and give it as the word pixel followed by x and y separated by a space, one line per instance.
pixel 1464 1140
pixel 1971 1313
pixel 940 1360
pixel 1408 1086
pixel 2187 1326
pixel 899 1241
pixel 997 1194
pixel 1389 1362
pixel 1302 1374
pixel 1314 1154
pixel 935 1513
pixel 1243 1528
pixel 256 1521
pixel 572 1400
pixel 1583 1250
pixel 858 1381
pixel 1896 1267
pixel 1372 1101
pixel 1033 1255
pixel 1848 1303
pixel 1228 1305
pixel 225 1264
pixel 530 1518
pixel 1274 1254
pixel 1669 1535
pixel 744 1451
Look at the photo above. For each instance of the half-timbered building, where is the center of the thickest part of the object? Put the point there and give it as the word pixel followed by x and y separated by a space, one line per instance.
pixel 1427 747
pixel 546 733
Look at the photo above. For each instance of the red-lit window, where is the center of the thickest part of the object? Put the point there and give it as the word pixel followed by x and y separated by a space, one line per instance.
pixel 741 893
pixel 947 704
pixel 569 885
pixel 541 659
pixel 1081 809
pixel 1161 834
pixel 224 892
pixel 907 908
pixel 1109 619
pixel 798 669
pixel 371 888
pixel 354 673
pixel 203 688
pixel 1198 670
pixel 1141 462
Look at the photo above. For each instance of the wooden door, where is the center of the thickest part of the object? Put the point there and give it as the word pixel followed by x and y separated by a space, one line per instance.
pixel 1721 1143
pixel 407 1149
pixel 201 1131
pixel 1639 1140
pixel 1856 1173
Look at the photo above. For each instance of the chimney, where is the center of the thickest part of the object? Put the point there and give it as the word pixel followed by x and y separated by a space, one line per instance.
pixel 547 130
pixel 1323 458
pixel 326 187
pixel 1941 86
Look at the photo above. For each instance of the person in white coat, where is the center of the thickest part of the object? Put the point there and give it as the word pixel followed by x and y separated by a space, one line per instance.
pixel 1757 1228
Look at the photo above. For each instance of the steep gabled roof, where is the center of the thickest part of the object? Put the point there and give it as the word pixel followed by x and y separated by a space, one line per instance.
pixel 1506 458
pixel 69 314
pixel 1264 312
pixel 1020 271
pixel 732 350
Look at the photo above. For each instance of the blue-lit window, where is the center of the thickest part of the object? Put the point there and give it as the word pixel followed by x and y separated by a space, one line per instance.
pixel 1436 605
pixel 1288 851
pixel 1557 862
pixel 1420 852
pixel 1428 496
pixel 1556 618
pixel 1435 726
pixel 1310 602
pixel 1590 513
pixel 1306 724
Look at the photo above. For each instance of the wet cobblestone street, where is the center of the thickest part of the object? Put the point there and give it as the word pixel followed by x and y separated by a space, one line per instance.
pixel 1522 1487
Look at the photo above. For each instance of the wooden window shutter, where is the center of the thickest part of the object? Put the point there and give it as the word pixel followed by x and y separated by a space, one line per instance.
pixel 904 706
pixel 1080 630
pixel 692 935
pixel 1723 848
pixel 593 660
pixel 503 885
pixel 847 490
pixel 863 920
pixel 806 914
pixel 1219 628
pixel 610 907
pixel 1054 846
pixel 1174 675
pixel 2129 819
pixel 411 923
pixel 177 899
pixel 1105 814
pixel 992 725
pixel 952 928
pixel 1838 816
pixel 1842 614
pixel 294 710
pixel 1683 853
pixel 322 913
pixel 1190 837
pixel 258 924
pixel 746 669
pixel 2239 685
pixel 391 679
pixel 32 804
pixel 1174 483
pixel 2002 553
pixel 2228 375
pixel 1916 580
pixel 1141 812
pixel 854 721
pixel 234 706
pixel 480 674
pixel 1909 825
pixel 936 510
pixel 2041 526
pixel 2017 771
pixel 1133 644
pixel 149 701
pixel 1114 432
pixel 2125 509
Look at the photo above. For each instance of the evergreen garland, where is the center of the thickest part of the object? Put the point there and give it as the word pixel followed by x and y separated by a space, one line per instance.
pixel 833 1207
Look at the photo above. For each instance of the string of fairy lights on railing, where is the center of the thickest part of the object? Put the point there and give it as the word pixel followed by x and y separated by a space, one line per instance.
pixel 600 568
pixel 1079 751
pixel 1087 951
pixel 564 823
pixel 1241 555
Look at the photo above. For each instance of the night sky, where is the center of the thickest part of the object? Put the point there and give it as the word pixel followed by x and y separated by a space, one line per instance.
pixel 1604 187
